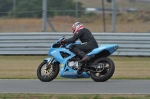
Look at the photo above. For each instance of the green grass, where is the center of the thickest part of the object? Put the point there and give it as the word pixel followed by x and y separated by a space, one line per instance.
pixel 25 67
pixel 71 96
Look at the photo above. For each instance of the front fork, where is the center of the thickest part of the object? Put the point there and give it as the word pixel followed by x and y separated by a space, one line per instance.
pixel 49 63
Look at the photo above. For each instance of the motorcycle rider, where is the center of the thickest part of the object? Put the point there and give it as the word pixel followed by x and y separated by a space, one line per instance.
pixel 88 41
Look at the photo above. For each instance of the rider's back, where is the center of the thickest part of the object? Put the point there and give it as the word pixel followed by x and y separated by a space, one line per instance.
pixel 86 36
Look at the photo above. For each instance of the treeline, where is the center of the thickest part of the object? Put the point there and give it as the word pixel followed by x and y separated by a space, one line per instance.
pixel 33 8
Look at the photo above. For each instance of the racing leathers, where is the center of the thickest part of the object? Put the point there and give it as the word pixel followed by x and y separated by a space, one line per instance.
pixel 88 43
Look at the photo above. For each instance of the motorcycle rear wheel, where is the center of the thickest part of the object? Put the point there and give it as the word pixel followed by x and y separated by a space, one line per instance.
pixel 47 75
pixel 105 71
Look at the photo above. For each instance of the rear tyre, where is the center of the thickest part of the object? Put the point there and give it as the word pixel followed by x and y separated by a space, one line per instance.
pixel 104 71
pixel 47 75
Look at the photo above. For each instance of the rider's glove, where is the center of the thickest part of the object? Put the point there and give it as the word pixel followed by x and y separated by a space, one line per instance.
pixel 61 41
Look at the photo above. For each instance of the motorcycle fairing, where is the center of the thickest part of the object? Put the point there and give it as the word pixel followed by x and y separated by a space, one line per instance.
pixel 110 47
pixel 72 43
pixel 68 72
pixel 65 70
pixel 56 53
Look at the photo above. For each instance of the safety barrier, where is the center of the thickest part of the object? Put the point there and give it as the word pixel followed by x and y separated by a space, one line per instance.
pixel 38 43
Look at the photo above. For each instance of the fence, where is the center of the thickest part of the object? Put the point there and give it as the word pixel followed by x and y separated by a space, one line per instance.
pixel 38 43
pixel 132 15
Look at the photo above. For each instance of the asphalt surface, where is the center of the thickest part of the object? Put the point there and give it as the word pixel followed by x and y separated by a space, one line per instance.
pixel 75 86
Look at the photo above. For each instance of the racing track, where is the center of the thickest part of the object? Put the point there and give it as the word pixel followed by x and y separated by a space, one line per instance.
pixel 75 86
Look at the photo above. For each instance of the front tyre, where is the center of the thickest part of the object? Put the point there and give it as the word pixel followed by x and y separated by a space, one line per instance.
pixel 104 70
pixel 47 74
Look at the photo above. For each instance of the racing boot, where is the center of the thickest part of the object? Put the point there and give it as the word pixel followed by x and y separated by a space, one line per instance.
pixel 83 57
pixel 80 54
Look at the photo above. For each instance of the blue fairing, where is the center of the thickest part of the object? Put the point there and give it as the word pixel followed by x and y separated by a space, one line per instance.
pixel 65 71
pixel 110 47
pixel 68 72
pixel 72 43
pixel 57 55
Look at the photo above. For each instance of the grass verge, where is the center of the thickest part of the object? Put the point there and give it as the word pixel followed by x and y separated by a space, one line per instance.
pixel 25 67
pixel 75 96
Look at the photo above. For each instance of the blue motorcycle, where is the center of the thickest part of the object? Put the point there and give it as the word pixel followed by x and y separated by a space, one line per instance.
pixel 64 62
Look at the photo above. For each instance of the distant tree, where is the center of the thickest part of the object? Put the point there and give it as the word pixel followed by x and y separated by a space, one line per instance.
pixel 33 8
pixel 29 8
pixel 59 5
pixel 54 7
pixel 5 7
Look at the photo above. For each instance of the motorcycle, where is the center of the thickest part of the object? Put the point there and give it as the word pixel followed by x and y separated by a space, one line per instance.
pixel 64 62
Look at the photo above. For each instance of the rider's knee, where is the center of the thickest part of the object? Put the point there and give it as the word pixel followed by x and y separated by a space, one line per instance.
pixel 71 47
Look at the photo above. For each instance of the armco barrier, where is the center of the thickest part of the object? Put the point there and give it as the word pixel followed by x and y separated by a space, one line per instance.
pixel 131 44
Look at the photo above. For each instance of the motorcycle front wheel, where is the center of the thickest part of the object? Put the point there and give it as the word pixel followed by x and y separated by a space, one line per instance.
pixel 104 70
pixel 47 74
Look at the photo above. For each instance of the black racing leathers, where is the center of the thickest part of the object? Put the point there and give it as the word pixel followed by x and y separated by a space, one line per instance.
pixel 87 39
